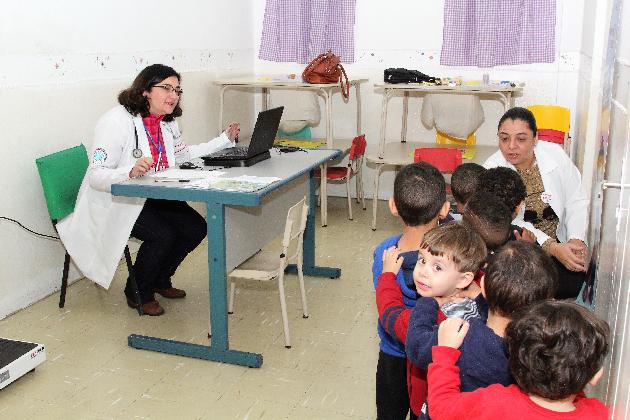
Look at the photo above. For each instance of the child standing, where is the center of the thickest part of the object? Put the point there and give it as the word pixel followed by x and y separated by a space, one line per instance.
pixel 419 200
pixel 555 349
pixel 464 182
pixel 448 280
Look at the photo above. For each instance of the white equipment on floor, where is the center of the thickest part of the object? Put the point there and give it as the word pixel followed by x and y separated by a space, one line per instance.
pixel 18 358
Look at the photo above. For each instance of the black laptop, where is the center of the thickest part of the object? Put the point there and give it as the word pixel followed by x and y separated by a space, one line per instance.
pixel 262 139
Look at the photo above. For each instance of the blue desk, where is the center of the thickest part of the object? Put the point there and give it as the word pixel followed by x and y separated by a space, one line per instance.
pixel 294 168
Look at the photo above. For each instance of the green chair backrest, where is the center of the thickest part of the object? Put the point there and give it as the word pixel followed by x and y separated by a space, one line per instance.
pixel 61 174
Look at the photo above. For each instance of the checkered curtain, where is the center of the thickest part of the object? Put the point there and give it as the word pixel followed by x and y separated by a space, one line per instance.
pixel 487 33
pixel 300 30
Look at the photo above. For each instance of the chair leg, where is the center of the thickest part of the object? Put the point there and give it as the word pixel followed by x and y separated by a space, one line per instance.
pixel 231 301
pixel 64 280
pixel 132 278
pixel 360 187
pixel 349 198
pixel 300 274
pixel 283 309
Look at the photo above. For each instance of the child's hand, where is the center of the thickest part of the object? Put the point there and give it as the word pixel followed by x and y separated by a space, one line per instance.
pixel 452 332
pixel 391 260
pixel 526 236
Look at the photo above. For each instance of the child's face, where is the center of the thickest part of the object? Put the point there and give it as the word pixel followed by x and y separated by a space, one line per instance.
pixel 438 276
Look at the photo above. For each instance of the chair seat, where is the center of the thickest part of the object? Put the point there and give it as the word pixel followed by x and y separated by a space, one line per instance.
pixel 334 173
pixel 263 266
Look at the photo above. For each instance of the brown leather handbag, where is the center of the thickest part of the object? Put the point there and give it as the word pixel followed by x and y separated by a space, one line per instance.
pixel 326 68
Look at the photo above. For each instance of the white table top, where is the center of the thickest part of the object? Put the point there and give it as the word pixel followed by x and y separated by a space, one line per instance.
pixel 448 89
pixel 398 153
pixel 261 81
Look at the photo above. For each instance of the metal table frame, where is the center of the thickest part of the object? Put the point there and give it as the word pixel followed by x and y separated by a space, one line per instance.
pixel 216 200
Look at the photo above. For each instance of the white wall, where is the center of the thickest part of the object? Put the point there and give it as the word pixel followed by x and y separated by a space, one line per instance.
pixel 64 63
pixel 408 33
pixel 62 66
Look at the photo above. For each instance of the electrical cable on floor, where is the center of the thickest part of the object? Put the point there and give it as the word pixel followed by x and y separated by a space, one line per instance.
pixel 32 231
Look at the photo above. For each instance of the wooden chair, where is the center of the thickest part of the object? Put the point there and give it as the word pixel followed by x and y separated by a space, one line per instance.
pixel 353 169
pixel 61 174
pixel 267 265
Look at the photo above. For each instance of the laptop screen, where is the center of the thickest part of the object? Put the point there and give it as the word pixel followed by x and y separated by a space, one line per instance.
pixel 265 131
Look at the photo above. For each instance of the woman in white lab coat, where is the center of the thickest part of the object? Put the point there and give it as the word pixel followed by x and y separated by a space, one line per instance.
pixel 136 137
pixel 555 203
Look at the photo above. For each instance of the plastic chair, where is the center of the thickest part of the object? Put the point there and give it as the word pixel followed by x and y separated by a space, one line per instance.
pixel 446 160
pixel 553 124
pixel 61 174
pixel 345 173
pixel 267 265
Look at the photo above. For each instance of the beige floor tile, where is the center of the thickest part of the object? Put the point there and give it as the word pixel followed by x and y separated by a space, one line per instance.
pixel 328 373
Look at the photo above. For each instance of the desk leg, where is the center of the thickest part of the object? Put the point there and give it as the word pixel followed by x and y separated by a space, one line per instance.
pixel 265 98
pixel 309 267
pixel 218 351
pixel 358 93
pixel 403 130
pixel 381 146
pixel 221 101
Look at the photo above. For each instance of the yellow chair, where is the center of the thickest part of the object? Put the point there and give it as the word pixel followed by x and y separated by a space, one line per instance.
pixel 442 138
pixel 553 124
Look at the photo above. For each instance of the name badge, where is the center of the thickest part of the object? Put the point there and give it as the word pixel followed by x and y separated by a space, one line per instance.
pixel 545 197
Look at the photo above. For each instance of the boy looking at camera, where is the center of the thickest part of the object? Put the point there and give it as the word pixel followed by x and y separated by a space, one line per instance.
pixel 465 247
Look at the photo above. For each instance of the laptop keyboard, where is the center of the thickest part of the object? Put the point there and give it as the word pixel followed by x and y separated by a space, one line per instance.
pixel 238 151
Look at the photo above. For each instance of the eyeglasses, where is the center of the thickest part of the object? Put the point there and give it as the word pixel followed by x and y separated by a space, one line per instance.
pixel 170 89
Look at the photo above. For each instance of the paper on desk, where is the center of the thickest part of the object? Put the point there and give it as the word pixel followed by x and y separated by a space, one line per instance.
pixel 243 183
pixel 174 173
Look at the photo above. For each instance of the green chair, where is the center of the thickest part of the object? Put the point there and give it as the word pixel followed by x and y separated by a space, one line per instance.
pixel 61 174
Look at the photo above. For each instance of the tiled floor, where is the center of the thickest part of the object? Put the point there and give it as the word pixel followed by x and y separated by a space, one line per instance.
pixel 91 373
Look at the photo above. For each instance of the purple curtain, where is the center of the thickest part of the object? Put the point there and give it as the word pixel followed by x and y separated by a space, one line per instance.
pixel 487 33
pixel 300 30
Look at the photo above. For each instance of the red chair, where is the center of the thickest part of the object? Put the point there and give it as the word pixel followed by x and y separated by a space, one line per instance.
pixel 446 160
pixel 340 174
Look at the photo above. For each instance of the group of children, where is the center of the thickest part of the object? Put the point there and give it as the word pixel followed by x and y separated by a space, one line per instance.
pixel 467 321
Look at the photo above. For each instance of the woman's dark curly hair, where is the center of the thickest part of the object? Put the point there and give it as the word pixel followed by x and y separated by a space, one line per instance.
pixel 133 99
pixel 555 348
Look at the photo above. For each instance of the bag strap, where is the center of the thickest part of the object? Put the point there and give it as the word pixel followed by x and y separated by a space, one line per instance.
pixel 344 91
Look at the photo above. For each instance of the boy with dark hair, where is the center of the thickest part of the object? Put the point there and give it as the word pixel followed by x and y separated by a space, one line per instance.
pixel 506 185
pixel 449 257
pixel 555 349
pixel 490 218
pixel 419 200
pixel 518 274
pixel 465 181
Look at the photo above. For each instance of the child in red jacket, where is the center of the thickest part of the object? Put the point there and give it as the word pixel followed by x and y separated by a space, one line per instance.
pixel 555 349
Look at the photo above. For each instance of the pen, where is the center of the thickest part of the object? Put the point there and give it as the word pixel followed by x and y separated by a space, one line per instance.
pixel 171 180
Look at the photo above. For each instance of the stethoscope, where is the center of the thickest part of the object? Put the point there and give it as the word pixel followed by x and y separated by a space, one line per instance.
pixel 159 145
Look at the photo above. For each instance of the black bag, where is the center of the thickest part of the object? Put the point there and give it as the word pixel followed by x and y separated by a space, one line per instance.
pixel 400 75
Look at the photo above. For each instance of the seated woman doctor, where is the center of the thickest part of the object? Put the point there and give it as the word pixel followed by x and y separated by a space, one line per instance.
pixel 137 137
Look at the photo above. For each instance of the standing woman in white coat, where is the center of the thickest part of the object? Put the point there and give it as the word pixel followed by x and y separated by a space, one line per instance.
pixel 138 136
pixel 555 203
